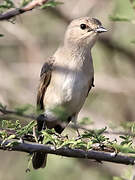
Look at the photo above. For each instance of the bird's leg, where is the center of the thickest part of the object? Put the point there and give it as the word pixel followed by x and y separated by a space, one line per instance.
pixel 74 120
pixel 34 134
pixel 78 133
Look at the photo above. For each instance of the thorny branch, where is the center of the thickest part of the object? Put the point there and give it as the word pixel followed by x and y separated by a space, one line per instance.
pixel 98 153
pixel 18 11
pixel 67 152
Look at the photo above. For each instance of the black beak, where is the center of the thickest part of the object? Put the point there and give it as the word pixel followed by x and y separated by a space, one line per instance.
pixel 100 29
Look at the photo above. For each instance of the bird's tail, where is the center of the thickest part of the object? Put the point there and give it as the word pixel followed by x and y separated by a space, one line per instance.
pixel 39 160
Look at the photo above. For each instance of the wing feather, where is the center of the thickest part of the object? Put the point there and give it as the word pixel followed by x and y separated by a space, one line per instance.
pixel 45 78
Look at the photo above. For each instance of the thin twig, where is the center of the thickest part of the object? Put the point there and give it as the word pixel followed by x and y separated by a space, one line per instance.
pixel 18 11
pixel 67 152
pixel 5 112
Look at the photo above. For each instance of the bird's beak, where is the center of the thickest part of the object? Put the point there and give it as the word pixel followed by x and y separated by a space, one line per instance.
pixel 100 29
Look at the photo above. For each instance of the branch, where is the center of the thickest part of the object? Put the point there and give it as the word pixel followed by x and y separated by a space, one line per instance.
pixel 67 152
pixel 18 11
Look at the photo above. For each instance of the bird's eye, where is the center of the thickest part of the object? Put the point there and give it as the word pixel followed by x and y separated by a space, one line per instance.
pixel 83 26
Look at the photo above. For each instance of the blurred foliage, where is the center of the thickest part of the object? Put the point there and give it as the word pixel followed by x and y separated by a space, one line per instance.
pixel 124 11
pixel 9 4
pixel 126 175
pixel 51 4
pixel 6 4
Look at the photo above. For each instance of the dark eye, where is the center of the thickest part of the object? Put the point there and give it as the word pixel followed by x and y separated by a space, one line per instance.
pixel 83 26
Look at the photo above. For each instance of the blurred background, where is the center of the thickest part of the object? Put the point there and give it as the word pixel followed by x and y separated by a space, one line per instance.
pixel 34 37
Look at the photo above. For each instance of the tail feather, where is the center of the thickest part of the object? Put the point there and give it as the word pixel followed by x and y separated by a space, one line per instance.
pixel 39 160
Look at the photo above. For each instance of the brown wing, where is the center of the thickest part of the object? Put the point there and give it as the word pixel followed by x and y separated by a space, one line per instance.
pixel 45 77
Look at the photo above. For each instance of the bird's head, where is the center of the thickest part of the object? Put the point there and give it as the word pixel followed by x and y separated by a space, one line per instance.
pixel 83 31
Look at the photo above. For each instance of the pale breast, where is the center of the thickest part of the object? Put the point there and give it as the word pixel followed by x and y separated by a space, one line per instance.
pixel 69 84
pixel 74 90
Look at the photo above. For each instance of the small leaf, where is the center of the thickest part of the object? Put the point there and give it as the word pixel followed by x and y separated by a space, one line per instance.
pixel 67 143
pixel 26 129
pixel 48 138
pixel 123 148
pixel 11 137
pixel 123 137
pixel 13 144
pixel 89 145
pixel 100 131
pixel 3 134
pixel 51 4
pixel 25 2
pixel 2 106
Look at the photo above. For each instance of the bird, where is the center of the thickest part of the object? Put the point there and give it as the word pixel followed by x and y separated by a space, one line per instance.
pixel 66 79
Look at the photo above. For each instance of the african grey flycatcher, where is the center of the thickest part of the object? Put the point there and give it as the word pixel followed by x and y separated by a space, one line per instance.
pixel 67 78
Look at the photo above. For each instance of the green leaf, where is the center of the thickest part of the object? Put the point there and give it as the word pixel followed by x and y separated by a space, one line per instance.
pixel 100 131
pixel 25 2
pixel 7 4
pixel 123 137
pixel 67 143
pixel 2 106
pixel 3 134
pixel 13 144
pixel 48 138
pixel 11 137
pixel 12 125
pixel 123 148
pixel 1 35
pixel 79 144
pixel 89 145
pixel 26 129
pixel 51 4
